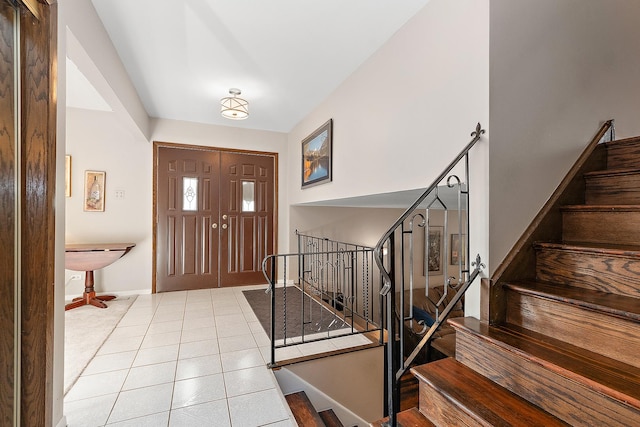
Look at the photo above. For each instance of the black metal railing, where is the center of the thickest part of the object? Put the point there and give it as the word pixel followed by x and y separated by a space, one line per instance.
pixel 425 225
pixel 327 290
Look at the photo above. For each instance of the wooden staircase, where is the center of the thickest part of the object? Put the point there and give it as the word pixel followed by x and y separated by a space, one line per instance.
pixel 564 346
pixel 306 415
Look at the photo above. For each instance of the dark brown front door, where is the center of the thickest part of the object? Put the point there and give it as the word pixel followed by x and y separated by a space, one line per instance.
pixel 215 217
pixel 247 201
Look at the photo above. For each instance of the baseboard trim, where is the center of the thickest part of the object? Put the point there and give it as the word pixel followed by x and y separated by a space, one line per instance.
pixel 62 422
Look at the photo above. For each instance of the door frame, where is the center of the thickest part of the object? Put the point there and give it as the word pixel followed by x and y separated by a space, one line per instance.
pixel 160 144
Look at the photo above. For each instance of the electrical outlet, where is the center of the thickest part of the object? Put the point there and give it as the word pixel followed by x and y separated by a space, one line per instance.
pixel 76 277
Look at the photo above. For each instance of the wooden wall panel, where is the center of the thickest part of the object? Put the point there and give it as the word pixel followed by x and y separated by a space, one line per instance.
pixel 38 157
pixel 7 213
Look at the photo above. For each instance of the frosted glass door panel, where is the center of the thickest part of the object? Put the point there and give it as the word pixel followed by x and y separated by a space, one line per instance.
pixel 189 194
pixel 248 196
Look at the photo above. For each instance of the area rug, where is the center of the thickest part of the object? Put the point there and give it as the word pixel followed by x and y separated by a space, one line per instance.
pixel 85 329
pixel 317 318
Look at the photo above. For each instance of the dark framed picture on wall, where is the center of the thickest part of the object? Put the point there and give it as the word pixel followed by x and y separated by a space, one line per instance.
pixel 434 255
pixel 317 153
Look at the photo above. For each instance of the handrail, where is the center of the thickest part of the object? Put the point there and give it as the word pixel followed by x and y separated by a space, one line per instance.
pixel 379 246
pixel 517 255
pixel 396 364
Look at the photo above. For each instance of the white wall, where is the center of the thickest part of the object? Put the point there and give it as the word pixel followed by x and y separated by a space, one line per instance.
pixel 559 68
pixel 88 45
pixel 407 112
pixel 97 141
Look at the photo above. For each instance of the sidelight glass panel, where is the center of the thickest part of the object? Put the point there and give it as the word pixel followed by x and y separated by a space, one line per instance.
pixel 248 196
pixel 189 194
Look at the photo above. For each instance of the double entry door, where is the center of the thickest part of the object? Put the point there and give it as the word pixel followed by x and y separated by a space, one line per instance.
pixel 214 213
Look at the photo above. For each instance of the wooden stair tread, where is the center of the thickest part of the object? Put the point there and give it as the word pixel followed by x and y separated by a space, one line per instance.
pixel 612 172
pixel 600 208
pixel 480 397
pixel 303 411
pixel 330 418
pixel 617 142
pixel 616 379
pixel 596 248
pixel 409 418
pixel 613 304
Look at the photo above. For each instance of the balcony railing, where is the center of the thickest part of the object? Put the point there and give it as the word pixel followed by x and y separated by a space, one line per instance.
pixel 325 291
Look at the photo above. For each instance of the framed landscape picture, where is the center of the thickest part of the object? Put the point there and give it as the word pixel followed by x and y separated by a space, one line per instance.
pixel 317 150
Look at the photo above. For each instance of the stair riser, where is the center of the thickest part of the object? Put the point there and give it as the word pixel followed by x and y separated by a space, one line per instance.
pixel 595 331
pixel 572 402
pixel 442 412
pixel 623 156
pixel 613 190
pixel 602 272
pixel 621 227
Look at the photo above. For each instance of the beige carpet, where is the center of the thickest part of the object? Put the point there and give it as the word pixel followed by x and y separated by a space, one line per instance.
pixel 86 328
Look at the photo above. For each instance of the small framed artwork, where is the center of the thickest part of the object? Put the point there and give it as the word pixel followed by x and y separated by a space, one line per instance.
pixel 317 153
pixel 67 176
pixel 434 257
pixel 457 249
pixel 94 184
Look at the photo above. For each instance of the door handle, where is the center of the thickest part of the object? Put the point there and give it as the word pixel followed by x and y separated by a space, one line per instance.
pixel 224 217
pixel 224 226
pixel 214 225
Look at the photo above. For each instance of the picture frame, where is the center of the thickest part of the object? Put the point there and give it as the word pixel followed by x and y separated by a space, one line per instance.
pixel 457 249
pixel 317 156
pixel 94 191
pixel 67 175
pixel 434 255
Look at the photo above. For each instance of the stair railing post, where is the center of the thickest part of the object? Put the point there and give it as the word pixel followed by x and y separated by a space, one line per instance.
pixel 393 394
pixel 273 310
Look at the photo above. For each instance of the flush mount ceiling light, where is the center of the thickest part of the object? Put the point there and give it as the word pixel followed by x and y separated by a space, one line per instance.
pixel 234 108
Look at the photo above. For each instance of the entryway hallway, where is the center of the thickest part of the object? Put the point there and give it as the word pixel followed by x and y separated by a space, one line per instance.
pixel 190 358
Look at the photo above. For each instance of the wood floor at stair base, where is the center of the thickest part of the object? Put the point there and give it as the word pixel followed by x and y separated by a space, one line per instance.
pixel 601 271
pixel 603 334
pixel 568 400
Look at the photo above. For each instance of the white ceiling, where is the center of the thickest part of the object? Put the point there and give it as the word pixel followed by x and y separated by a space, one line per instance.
pixel 286 56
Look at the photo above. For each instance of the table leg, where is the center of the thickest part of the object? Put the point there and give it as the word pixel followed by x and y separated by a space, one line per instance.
pixel 89 296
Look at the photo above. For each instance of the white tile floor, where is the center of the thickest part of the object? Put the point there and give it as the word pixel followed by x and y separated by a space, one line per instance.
pixel 194 358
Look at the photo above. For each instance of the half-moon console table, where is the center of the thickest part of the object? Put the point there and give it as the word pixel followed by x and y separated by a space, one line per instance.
pixel 90 257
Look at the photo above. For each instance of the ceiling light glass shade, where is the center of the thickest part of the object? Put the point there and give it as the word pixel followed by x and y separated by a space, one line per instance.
pixel 234 108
